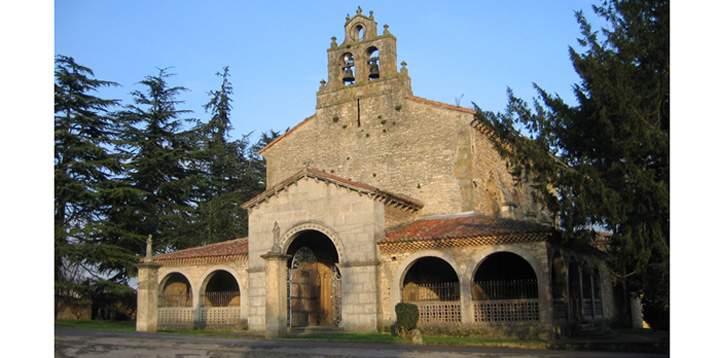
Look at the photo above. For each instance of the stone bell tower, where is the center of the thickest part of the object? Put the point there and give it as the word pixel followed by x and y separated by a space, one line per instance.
pixel 364 64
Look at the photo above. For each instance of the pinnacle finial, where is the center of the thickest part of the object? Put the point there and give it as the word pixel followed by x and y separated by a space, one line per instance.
pixel 148 248
pixel 372 14
pixel 359 10
pixel 333 42
pixel 386 30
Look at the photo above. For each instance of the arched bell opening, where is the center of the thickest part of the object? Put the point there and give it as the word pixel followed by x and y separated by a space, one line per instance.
pixel 373 56
pixel 505 289
pixel 359 32
pixel 175 291
pixel 432 284
pixel 347 66
pixel 314 281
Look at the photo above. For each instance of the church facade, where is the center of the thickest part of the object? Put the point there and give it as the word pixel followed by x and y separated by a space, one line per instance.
pixel 380 197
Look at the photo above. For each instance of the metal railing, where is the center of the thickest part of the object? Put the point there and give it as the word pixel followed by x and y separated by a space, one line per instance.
pixel 505 289
pixel 431 291
pixel 181 300
pixel 221 299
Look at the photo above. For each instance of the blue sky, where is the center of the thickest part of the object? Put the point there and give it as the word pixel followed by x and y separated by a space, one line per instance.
pixel 277 50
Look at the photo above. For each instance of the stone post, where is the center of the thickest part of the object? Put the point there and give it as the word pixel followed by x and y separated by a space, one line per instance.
pixel 467 314
pixel 636 314
pixel 276 295
pixel 147 297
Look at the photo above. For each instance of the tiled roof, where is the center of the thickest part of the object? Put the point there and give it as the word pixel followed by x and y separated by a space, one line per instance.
pixel 460 226
pixel 373 192
pixel 237 247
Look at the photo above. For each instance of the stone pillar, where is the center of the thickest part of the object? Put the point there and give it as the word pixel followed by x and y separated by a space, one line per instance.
pixel 545 301
pixel 276 295
pixel 636 314
pixel 359 297
pixel 197 313
pixel 467 314
pixel 147 297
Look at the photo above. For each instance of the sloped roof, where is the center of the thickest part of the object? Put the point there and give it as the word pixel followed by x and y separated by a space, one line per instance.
pixel 481 229
pixel 375 193
pixel 237 247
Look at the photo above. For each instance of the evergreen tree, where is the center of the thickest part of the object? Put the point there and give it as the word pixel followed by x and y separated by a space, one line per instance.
pixel 219 216
pixel 156 194
pixel 84 167
pixel 604 163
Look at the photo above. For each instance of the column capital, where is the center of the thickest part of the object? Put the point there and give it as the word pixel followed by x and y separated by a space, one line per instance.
pixel 143 264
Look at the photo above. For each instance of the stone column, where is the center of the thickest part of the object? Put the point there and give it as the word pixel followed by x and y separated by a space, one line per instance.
pixel 467 314
pixel 545 305
pixel 636 314
pixel 276 295
pixel 359 297
pixel 147 297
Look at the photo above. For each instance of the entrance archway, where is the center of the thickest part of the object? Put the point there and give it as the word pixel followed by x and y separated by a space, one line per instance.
pixel 220 300
pixel 314 282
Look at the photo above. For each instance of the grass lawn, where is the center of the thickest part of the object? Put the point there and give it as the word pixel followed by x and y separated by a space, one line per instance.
pixel 98 325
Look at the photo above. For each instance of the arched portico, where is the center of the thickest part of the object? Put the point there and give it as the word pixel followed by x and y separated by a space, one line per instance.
pixel 175 301
pixel 219 299
pixel 431 282
pixel 505 289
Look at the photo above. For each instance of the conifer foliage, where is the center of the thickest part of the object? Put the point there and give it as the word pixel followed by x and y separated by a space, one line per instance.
pixel 123 172
pixel 603 164
pixel 84 167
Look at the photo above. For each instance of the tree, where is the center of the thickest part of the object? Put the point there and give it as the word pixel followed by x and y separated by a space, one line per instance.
pixel 84 168
pixel 224 166
pixel 156 193
pixel 604 164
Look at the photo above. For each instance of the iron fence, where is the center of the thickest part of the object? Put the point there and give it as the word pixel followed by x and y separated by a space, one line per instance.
pixel 181 300
pixel 505 289
pixel 221 298
pixel 431 291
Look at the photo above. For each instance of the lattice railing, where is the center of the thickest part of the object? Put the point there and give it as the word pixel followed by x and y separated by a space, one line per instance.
pixel 438 311
pixel 175 317
pixel 220 316
pixel 500 311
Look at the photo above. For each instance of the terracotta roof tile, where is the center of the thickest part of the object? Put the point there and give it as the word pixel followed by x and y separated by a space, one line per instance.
pixel 375 193
pixel 237 247
pixel 468 225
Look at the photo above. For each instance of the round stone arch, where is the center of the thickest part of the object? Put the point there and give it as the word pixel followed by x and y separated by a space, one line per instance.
pixel 208 273
pixel 294 231
pixel 410 260
pixel 532 260
pixel 166 276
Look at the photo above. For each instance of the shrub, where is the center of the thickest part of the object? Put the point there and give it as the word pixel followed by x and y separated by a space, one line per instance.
pixel 407 316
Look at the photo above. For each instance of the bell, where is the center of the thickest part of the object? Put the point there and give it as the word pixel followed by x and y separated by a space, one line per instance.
pixel 374 69
pixel 348 75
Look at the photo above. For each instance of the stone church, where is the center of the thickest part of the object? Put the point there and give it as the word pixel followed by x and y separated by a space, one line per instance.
pixel 377 198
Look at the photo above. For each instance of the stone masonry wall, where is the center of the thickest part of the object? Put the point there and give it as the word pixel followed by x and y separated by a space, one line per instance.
pixel 404 146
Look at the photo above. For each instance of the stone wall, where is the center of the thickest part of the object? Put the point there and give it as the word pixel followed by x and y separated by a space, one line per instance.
pixel 406 146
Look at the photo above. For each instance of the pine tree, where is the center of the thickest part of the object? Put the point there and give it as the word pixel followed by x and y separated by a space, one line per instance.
pixel 84 168
pixel 219 216
pixel 156 193
pixel 604 163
